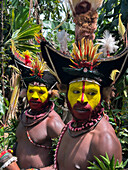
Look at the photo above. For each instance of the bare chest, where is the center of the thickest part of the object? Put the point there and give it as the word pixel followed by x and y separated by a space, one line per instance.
pixel 75 152
pixel 33 145
pixel 37 132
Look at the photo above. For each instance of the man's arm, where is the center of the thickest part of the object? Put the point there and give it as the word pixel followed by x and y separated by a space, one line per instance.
pixel 107 143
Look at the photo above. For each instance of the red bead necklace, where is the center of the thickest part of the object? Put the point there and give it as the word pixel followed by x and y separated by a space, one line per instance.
pixel 36 144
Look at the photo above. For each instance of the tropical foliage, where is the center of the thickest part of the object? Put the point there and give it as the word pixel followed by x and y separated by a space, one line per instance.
pixel 106 164
pixel 20 21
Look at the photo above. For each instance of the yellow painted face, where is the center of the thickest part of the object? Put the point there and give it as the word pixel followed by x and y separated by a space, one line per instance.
pixel 37 92
pixel 84 92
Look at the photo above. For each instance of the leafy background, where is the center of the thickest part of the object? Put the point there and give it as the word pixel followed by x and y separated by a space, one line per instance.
pixel 19 21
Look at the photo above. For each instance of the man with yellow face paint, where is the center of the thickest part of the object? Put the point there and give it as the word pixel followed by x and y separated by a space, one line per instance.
pixel 89 133
pixel 37 96
pixel 83 97
pixel 38 125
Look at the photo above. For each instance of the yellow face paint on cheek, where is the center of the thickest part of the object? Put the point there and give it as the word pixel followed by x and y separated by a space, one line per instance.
pixel 93 94
pixel 84 92
pixel 74 92
pixel 37 92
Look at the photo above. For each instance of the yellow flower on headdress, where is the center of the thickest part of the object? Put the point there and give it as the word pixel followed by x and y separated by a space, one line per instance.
pixel 38 67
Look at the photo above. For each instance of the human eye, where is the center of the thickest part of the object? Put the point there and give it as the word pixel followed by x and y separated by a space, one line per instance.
pixel 30 91
pixel 92 93
pixel 41 92
pixel 76 91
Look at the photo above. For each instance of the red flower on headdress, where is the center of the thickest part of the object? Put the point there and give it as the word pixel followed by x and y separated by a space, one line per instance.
pixel 27 56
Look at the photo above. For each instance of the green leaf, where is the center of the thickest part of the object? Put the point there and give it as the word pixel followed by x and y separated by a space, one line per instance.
pixel 30 31
pixel 13 17
pixel 15 34
pixel 125 139
pixel 117 163
pixel 106 161
pixel 125 163
pixel 112 162
pixel 94 166
pixel 21 18
pixel 101 164
pixel 107 156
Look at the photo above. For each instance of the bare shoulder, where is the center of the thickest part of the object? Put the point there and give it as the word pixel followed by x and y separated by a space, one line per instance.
pixel 54 124
pixel 54 118
pixel 105 141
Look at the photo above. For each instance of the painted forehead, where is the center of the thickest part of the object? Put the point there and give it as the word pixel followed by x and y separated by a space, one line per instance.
pixel 84 79
pixel 37 84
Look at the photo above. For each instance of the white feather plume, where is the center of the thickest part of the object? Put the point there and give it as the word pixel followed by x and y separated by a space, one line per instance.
pixel 108 43
pixel 94 3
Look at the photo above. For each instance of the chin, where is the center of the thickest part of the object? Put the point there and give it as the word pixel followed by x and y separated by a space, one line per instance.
pixel 81 115
pixel 80 111
pixel 37 105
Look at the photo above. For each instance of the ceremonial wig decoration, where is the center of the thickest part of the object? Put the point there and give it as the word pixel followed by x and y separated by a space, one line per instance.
pixel 85 17
pixel 34 70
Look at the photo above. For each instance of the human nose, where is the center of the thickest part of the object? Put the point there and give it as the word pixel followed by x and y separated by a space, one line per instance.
pixel 35 95
pixel 82 98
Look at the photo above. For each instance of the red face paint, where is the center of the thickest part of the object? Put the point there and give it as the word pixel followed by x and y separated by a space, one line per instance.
pixel 81 101
pixel 83 91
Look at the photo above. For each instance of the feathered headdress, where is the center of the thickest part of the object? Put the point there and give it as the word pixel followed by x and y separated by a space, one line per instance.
pixel 85 55
pixel 34 70
pixel 85 62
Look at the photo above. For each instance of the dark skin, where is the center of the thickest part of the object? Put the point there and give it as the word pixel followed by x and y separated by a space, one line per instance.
pixel 98 141
pixel 29 155
pixel 75 152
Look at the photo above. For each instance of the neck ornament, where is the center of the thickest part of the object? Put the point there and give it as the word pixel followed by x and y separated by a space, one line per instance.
pixel 36 144
pixel 85 127
pixel 31 119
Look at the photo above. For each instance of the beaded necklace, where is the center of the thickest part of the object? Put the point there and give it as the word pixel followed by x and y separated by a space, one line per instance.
pixel 36 144
pixel 58 144
pixel 33 116
pixel 86 127
pixel 95 118
pixel 38 118
pixel 29 113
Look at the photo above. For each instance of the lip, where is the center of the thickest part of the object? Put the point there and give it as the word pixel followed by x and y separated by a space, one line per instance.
pixel 81 110
pixel 35 102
